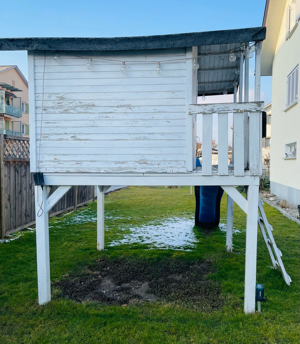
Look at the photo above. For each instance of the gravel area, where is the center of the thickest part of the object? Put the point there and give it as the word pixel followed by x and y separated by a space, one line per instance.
pixel 287 209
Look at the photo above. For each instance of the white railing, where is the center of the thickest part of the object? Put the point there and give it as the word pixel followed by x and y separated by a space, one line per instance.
pixel 241 133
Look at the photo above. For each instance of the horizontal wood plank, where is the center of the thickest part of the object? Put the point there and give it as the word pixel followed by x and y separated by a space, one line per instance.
pixel 111 82
pixel 109 103
pixel 103 167
pixel 104 158
pixel 106 125
pixel 113 137
pixel 108 130
pixel 111 75
pixel 106 66
pixel 226 108
pixel 112 151
pixel 107 116
pixel 116 109
pixel 120 144
pixel 122 96
pixel 109 88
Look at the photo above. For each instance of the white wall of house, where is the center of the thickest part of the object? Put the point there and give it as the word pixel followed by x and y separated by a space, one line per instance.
pixel 106 120
pixel 285 173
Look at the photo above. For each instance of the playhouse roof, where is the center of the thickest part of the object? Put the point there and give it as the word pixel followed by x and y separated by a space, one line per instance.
pixel 215 75
pixel 182 40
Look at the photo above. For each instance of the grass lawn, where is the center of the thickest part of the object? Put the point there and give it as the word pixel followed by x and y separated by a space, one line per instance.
pixel 73 253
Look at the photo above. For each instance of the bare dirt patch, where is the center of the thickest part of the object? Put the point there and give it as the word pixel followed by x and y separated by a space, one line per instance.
pixel 128 281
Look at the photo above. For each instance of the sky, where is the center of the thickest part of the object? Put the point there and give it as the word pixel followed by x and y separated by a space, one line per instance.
pixel 117 18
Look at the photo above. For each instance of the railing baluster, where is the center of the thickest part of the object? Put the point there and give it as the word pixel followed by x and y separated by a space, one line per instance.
pixel 223 144
pixel 207 144
pixel 238 129
pixel 254 139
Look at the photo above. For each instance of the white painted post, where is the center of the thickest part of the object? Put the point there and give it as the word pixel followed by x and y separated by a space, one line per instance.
pixel 229 224
pixel 100 218
pixel 238 134
pixel 235 94
pixel 251 249
pixel 42 244
pixel 241 81
pixel 223 144
pixel 246 117
pixel 257 96
pixel 206 144
pixel 254 144
pixel 32 114
pixel 234 100
pixel 191 98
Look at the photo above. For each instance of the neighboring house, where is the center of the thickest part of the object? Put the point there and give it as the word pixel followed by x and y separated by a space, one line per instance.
pixel 281 59
pixel 14 108
pixel 266 142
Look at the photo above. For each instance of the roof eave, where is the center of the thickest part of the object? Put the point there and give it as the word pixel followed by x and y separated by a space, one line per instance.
pixel 273 16
pixel 135 43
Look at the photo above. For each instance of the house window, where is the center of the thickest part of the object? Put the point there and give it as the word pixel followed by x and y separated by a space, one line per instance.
pixel 290 150
pixel 291 17
pixel 23 129
pixel 23 107
pixel 267 142
pixel 292 87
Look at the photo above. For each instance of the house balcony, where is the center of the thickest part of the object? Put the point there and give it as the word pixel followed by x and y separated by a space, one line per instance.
pixel 10 110
pixel 10 132
pixel 14 109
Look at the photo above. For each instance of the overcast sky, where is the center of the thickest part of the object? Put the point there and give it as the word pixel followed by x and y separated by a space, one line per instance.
pixel 107 18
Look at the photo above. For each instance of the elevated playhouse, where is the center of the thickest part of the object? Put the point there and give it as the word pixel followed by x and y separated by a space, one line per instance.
pixel 123 111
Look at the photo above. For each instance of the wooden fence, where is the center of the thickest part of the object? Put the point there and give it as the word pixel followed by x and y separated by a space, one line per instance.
pixel 17 203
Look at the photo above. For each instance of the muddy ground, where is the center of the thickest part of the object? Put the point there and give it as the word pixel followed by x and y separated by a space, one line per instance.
pixel 126 281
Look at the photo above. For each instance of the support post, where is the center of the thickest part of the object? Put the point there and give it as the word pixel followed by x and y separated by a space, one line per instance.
pixel 257 96
pixel 229 224
pixel 100 216
pixel 251 249
pixel 42 244
pixel 2 214
pixel 241 81
pixel 75 197
pixel 191 98
pixel 232 145
pixel 246 116
pixel 100 219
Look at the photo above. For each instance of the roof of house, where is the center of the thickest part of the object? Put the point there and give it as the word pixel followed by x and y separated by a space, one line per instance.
pixel 182 40
pixel 8 67
pixel 274 11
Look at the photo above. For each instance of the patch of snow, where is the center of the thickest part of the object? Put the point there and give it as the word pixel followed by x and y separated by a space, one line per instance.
pixel 12 238
pixel 172 233
pixel 223 228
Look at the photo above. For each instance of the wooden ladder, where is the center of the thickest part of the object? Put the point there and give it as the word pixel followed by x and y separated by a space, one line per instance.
pixel 270 243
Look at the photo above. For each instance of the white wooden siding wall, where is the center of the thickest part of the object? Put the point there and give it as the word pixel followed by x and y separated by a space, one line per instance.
pixel 103 120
